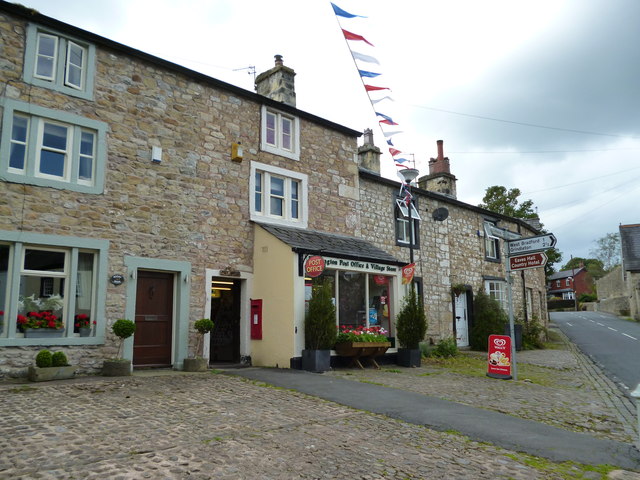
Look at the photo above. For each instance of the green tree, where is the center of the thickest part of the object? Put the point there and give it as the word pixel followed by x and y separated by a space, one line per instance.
pixel 490 319
pixel 594 266
pixel 500 200
pixel 608 251
pixel 320 331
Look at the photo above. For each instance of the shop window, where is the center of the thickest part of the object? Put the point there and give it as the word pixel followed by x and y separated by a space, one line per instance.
pixel 278 195
pixel 49 148
pixel 59 62
pixel 280 134
pixel 361 299
pixel 496 289
pixel 407 223
pixel 52 281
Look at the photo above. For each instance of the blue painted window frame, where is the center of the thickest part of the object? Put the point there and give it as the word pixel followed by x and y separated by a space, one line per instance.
pixel 58 83
pixel 77 122
pixel 18 241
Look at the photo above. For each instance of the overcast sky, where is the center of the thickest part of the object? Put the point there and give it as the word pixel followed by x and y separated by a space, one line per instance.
pixel 542 95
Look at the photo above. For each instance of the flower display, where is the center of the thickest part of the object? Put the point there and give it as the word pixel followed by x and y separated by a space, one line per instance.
pixel 40 320
pixel 362 334
pixel 82 320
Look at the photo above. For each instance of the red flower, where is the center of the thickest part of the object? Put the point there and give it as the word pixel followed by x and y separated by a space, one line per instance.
pixel 22 319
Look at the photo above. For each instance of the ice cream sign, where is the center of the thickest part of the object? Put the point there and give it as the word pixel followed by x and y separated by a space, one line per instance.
pixel 499 357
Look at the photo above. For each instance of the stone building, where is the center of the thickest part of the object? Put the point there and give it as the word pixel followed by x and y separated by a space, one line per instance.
pixel 619 290
pixel 136 188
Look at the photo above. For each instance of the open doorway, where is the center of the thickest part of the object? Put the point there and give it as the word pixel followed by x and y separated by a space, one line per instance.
pixel 225 313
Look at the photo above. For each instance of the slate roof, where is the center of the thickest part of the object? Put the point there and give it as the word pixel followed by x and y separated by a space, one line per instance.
pixel 565 274
pixel 330 244
pixel 630 240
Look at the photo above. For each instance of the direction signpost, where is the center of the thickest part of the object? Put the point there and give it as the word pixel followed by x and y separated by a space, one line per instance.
pixel 522 254
pixel 530 260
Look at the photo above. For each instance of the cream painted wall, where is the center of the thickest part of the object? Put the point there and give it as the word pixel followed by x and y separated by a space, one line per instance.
pixel 274 267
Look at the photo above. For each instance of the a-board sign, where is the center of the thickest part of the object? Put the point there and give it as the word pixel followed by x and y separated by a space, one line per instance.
pixel 499 357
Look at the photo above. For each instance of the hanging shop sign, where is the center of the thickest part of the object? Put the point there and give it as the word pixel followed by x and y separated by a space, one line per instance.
pixel 314 266
pixel 407 273
pixel 499 357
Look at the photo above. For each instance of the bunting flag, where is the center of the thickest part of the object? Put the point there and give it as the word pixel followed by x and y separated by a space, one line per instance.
pixel 354 36
pixel 364 73
pixel 364 58
pixel 381 99
pixel 341 13
pixel 371 88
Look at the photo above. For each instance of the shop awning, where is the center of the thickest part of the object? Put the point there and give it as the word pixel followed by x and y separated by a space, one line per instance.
pixel 330 244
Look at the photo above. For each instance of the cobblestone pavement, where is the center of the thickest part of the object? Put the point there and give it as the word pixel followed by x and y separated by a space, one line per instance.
pixel 174 425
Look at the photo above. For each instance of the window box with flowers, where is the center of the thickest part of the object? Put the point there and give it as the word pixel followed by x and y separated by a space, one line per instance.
pixel 362 343
pixel 40 321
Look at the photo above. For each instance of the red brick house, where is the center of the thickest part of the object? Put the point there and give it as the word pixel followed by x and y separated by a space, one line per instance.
pixel 569 284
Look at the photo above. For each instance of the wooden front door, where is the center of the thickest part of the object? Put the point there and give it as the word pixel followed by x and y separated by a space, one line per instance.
pixel 154 320
pixel 225 313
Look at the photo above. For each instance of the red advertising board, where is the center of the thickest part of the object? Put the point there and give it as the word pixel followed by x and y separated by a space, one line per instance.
pixel 499 358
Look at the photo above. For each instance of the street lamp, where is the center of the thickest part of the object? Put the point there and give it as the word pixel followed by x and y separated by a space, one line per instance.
pixel 409 175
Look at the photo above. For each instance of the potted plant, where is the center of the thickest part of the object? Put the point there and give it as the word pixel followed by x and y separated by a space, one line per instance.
pixel 411 327
pixel 458 288
pixel 117 367
pixel 83 324
pixel 362 343
pixel 319 328
pixel 50 366
pixel 198 363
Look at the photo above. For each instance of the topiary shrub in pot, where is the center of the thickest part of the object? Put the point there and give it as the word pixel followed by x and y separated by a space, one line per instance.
pixel 50 366
pixel 411 327
pixel 198 363
pixel 118 367
pixel 320 330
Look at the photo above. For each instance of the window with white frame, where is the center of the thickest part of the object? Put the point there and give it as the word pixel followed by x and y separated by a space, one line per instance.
pixel 278 195
pixel 50 148
pixel 491 243
pixel 567 282
pixel 49 286
pixel 496 289
pixel 558 283
pixel 56 61
pixel 407 222
pixel 280 133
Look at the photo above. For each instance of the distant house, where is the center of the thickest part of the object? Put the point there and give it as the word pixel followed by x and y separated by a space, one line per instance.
pixel 570 284
pixel 619 290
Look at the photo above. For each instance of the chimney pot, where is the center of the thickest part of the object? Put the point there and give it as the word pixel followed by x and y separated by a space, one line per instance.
pixel 440 150
pixel 279 61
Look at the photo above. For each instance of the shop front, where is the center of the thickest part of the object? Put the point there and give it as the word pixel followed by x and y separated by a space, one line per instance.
pixel 366 283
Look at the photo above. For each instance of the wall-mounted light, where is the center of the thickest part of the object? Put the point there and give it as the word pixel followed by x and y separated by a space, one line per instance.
pixel 236 152
pixel 134 274
pixel 156 154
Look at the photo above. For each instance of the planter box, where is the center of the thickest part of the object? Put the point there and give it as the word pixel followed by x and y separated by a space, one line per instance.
pixel 409 357
pixel 317 361
pixel 44 333
pixel 85 331
pixel 362 350
pixel 116 368
pixel 197 364
pixel 37 374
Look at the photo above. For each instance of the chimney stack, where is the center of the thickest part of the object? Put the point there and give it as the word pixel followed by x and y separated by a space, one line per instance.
pixel 369 154
pixel 440 179
pixel 278 83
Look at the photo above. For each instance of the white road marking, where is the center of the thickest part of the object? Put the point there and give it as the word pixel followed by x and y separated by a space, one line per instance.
pixel 632 338
pixel 612 329
pixel 592 321
pixel 601 324
pixel 570 324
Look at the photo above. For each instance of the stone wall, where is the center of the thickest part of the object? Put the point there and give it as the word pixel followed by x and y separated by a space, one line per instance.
pixel 450 252
pixel 194 205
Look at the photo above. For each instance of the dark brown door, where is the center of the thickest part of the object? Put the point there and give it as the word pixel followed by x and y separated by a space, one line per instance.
pixel 154 320
pixel 225 313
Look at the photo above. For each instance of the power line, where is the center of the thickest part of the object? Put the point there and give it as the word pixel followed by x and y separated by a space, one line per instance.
pixel 599 177
pixel 518 152
pixel 524 124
